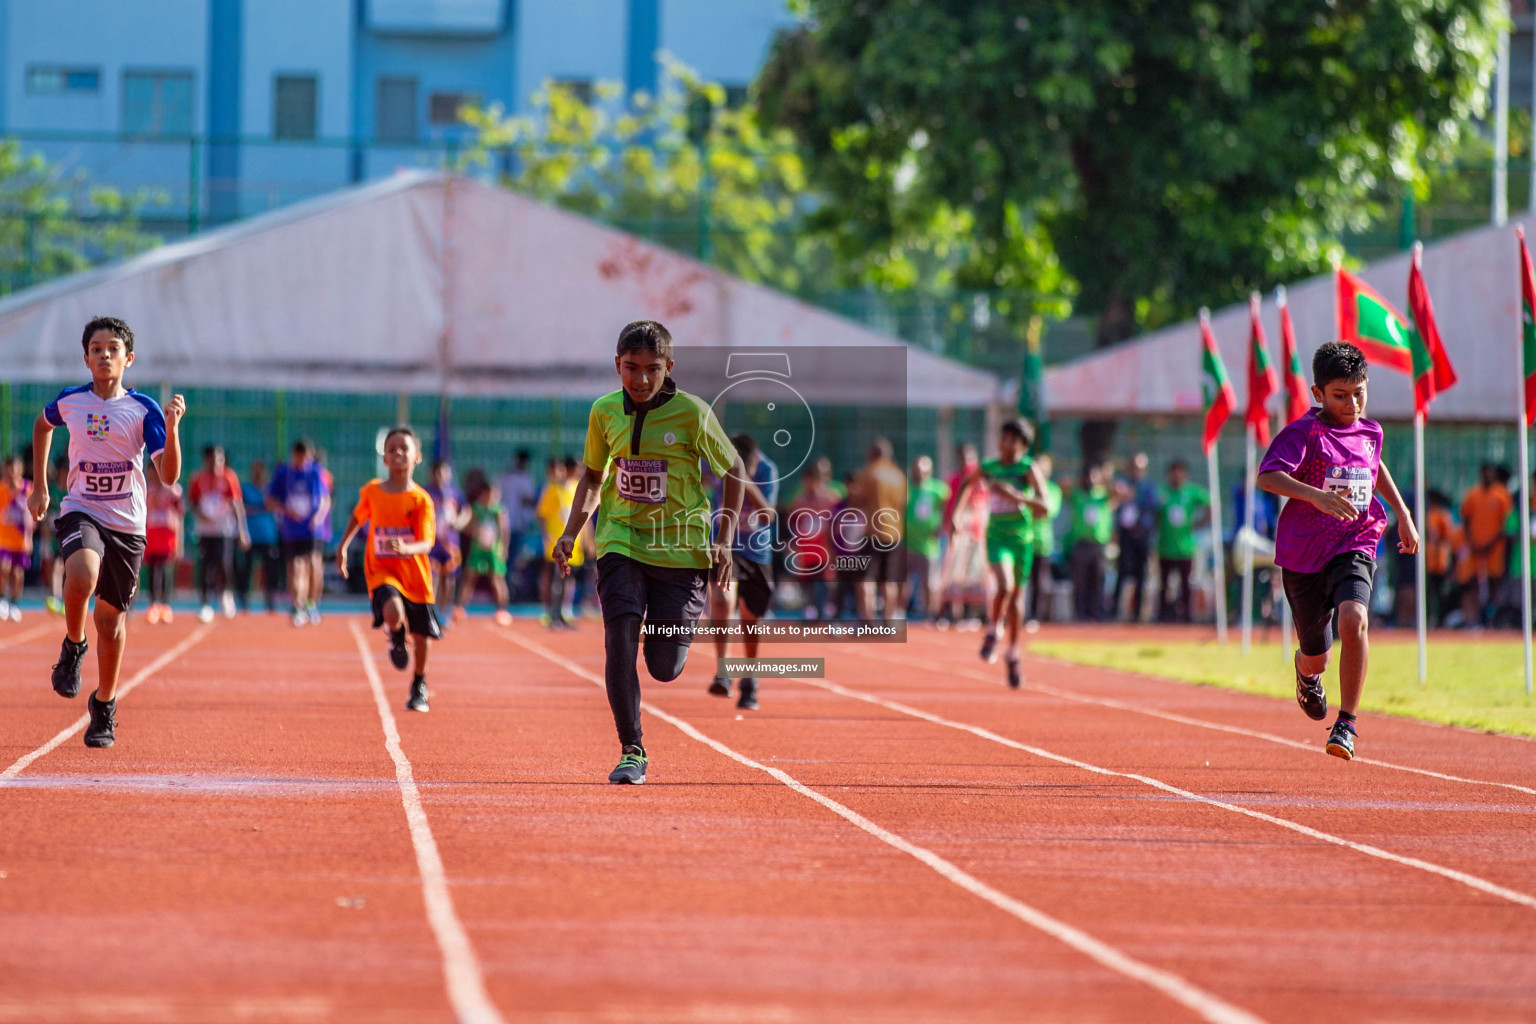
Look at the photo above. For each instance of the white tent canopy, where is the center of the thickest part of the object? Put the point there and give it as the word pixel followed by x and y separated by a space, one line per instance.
pixel 430 283
pixel 1474 279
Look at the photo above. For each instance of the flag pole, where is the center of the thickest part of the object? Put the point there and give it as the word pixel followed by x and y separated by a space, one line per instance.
pixel 1247 538
pixel 1218 553
pixel 1421 596
pixel 1500 211
pixel 1525 547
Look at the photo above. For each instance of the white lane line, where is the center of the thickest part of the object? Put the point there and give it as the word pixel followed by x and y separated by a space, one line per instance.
pixel 1472 881
pixel 23 637
pixel 1169 716
pixel 123 689
pixel 1208 1006
pixel 461 968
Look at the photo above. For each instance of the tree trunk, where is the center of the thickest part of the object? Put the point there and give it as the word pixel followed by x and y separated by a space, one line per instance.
pixel 1116 323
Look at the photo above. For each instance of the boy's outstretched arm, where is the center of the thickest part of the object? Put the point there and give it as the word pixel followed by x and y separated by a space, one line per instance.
pixel 1407 532
pixel 42 441
pixel 583 504
pixel 346 541
pixel 1330 503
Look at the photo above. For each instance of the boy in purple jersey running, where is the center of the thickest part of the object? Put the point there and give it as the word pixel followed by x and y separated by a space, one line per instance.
pixel 1329 462
pixel 101 524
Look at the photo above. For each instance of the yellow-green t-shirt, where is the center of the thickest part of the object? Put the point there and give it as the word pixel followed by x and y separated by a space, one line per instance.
pixel 655 508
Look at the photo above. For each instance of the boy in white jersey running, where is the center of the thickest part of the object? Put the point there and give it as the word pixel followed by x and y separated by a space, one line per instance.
pixel 102 517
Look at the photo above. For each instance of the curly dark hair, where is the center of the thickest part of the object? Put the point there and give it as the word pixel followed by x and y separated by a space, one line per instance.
pixel 107 323
pixel 1338 360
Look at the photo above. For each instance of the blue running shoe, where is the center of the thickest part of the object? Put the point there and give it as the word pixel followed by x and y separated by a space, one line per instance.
pixel 630 770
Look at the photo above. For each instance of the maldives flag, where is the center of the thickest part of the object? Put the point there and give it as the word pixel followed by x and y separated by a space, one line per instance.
pixel 1527 328
pixel 1220 399
pixel 1262 382
pixel 1298 398
pixel 1369 323
pixel 1432 370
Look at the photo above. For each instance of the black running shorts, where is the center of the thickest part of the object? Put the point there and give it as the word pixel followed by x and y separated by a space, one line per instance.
pixel 754 585
pixel 420 619
pixel 657 593
pixel 1315 597
pixel 121 555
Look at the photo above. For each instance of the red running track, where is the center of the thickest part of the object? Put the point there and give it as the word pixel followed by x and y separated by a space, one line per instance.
pixel 907 840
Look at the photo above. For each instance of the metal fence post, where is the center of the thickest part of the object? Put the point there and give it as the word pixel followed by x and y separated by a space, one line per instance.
pixel 194 190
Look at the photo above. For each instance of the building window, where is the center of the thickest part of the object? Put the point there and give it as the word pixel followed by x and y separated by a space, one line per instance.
pixel 581 88
pixel 157 103
pixel 294 103
pixel 394 116
pixel 54 81
pixel 443 107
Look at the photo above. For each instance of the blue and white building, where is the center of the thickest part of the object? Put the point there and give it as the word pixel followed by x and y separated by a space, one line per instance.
pixel 230 107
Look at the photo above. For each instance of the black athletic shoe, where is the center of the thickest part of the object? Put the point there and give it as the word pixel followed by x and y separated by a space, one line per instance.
pixel 398 655
pixel 418 701
pixel 1341 741
pixel 721 687
pixel 103 722
pixel 1310 693
pixel 1015 675
pixel 989 648
pixel 631 768
pixel 66 674
pixel 748 699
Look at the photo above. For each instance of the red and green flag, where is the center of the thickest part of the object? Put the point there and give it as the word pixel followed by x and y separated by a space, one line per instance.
pixel 1262 383
pixel 1220 399
pixel 1527 328
pixel 1432 370
pixel 1298 398
pixel 1368 321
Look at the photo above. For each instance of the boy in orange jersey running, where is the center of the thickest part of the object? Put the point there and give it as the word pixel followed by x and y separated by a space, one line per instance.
pixel 397 563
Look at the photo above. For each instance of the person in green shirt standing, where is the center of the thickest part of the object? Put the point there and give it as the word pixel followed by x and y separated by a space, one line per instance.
pixel 1183 508
pixel 644 446
pixel 1014 488
pixel 1088 534
pixel 1043 541
pixel 926 499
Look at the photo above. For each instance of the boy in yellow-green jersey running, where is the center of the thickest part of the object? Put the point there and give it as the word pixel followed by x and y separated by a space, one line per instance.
pixel 1015 491
pixel 644 446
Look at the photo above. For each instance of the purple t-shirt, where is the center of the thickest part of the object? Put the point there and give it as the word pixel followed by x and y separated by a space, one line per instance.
pixel 1343 459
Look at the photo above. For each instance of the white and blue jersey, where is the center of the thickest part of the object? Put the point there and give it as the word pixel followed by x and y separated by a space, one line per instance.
pixel 108 438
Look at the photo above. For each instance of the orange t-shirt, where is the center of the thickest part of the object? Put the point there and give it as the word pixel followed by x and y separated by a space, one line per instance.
pixel 1440 542
pixel 406 516
pixel 15 520
pixel 1484 511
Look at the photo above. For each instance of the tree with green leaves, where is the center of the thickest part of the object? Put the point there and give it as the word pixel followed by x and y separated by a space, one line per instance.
pixel 53 224
pixel 1168 154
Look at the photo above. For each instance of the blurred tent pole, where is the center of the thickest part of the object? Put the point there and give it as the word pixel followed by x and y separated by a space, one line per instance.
pixel 1501 127
pixel 1530 149
pixel 1032 385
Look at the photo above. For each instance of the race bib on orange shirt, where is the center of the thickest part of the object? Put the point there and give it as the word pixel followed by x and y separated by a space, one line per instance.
pixel 643 480
pixel 382 535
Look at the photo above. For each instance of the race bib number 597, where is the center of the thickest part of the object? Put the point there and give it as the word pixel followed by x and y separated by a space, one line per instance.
pixel 106 479
pixel 642 480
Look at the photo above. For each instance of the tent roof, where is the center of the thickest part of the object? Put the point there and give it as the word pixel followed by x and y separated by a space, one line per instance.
pixel 1474 279
pixel 427 282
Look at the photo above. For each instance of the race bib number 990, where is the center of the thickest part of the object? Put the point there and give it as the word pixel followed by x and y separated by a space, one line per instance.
pixel 642 480
pixel 1354 482
pixel 106 479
